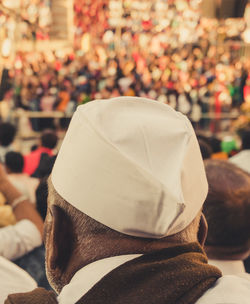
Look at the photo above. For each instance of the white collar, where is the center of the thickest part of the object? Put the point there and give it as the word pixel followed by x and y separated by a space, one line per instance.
pixel 85 278
pixel 228 267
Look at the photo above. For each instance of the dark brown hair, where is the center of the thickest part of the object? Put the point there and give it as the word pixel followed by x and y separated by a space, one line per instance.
pixel 227 207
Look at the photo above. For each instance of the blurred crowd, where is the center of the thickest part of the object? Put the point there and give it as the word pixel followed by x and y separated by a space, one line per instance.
pixel 166 52
pixel 199 78
pixel 25 20
pixel 90 17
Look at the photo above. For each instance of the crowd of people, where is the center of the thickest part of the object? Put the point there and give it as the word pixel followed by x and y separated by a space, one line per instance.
pixel 20 230
pixel 166 52
pixel 25 20
pixel 119 227
pixel 90 17
pixel 136 206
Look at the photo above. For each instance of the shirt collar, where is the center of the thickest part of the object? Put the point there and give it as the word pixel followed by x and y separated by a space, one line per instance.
pixel 85 278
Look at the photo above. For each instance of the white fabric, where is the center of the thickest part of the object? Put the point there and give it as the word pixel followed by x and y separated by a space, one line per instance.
pixel 13 279
pixel 242 160
pixel 88 276
pixel 228 289
pixel 230 267
pixel 25 184
pixel 19 239
pixel 132 164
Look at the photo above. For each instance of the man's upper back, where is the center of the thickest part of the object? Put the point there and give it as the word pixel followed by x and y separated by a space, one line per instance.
pixel 229 289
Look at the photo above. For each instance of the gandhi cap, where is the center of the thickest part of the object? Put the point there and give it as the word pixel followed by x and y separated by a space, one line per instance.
pixel 132 164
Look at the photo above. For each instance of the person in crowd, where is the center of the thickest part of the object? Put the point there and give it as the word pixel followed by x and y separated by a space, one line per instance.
pixel 211 147
pixel 172 58
pixel 216 147
pixel 42 189
pixel 48 143
pixel 227 210
pixel 124 221
pixel 27 185
pixel 17 240
pixel 7 135
pixel 242 159
pixel 33 261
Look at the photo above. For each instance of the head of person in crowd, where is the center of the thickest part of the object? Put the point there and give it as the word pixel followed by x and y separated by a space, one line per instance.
pixel 7 133
pixel 49 139
pixel 215 144
pixel 227 210
pixel 45 166
pixel 111 192
pixel 43 171
pixel 14 162
pixel 206 150
pixel 245 139
pixel 42 197
pixel 33 147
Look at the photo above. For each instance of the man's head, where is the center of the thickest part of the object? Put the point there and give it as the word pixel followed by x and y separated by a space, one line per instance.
pixel 7 133
pixel 74 240
pixel 227 210
pixel 14 162
pixel 49 139
pixel 124 182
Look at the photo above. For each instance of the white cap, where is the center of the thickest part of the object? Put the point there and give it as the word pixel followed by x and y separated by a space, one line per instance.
pixel 132 164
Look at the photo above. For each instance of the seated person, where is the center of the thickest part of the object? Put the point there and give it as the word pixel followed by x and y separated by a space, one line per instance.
pixel 33 261
pixel 124 220
pixel 227 210
pixel 27 185
pixel 19 239
pixel 48 142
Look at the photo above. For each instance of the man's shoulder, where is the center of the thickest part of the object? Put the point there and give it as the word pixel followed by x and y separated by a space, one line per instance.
pixel 229 289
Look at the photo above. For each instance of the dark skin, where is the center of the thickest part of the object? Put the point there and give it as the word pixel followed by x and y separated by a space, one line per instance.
pixel 60 238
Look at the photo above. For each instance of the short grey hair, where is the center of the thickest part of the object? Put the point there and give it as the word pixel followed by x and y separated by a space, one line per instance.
pixel 87 228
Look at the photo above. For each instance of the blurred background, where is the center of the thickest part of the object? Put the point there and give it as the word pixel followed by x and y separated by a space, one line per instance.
pixel 191 54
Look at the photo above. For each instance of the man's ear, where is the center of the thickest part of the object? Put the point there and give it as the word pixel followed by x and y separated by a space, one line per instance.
pixel 203 228
pixel 62 239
